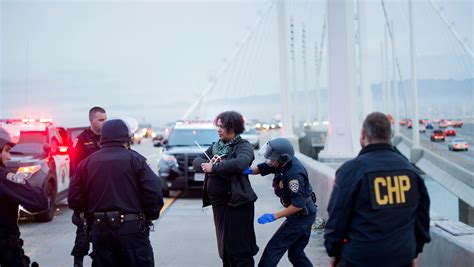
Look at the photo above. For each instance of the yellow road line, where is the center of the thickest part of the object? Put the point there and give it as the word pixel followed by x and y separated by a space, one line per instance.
pixel 169 202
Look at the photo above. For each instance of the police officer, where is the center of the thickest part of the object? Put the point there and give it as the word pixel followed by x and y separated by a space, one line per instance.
pixel 291 185
pixel 85 144
pixel 14 191
pixel 379 206
pixel 120 195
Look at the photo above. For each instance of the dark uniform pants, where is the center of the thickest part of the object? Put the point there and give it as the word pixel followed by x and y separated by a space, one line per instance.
pixel 293 235
pixel 128 245
pixel 12 254
pixel 81 244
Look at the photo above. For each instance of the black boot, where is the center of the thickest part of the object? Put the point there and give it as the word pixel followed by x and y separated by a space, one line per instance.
pixel 78 261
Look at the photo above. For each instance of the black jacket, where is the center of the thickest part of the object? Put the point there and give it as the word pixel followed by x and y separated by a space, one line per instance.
pixel 13 194
pixel 116 179
pixel 85 144
pixel 241 157
pixel 380 206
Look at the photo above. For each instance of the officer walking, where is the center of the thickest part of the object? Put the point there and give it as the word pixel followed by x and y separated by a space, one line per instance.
pixel 120 195
pixel 291 185
pixel 379 206
pixel 14 191
pixel 85 144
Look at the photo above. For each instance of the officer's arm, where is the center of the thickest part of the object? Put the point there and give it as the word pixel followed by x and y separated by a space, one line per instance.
pixel 290 210
pixel 339 209
pixel 422 226
pixel 244 159
pixel 202 159
pixel 152 194
pixel 33 199
pixel 76 198
pixel 78 153
pixel 264 169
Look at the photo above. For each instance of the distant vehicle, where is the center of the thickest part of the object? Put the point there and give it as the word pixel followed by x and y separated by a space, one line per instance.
pixel 429 126
pixel 422 128
pixel 251 135
pixel 450 131
pixel 145 129
pixel 444 123
pixel 402 122
pixel 137 137
pixel 458 123
pixel 438 135
pixel 175 164
pixel 409 125
pixel 458 144
pixel 41 156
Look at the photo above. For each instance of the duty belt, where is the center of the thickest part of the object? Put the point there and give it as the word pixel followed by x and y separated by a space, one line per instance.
pixel 114 217
pixel 311 200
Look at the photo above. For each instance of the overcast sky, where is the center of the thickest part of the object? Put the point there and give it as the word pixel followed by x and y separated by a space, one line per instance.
pixel 151 59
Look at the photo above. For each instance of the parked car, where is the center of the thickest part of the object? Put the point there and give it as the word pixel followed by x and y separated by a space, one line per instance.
pixel 450 131
pixel 175 164
pixel 438 135
pixel 458 144
pixel 41 156
pixel 250 134
pixel 429 126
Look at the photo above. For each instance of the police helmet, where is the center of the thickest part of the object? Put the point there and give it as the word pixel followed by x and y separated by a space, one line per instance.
pixel 5 139
pixel 279 149
pixel 115 130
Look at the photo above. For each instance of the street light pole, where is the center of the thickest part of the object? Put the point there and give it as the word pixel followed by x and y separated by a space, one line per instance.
pixel 415 123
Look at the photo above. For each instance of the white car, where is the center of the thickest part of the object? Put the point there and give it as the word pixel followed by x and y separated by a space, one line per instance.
pixel 458 144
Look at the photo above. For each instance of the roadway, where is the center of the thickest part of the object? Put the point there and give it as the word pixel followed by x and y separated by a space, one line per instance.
pixel 464 159
pixel 183 236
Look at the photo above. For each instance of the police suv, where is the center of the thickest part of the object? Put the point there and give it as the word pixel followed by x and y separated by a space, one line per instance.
pixel 41 157
pixel 175 164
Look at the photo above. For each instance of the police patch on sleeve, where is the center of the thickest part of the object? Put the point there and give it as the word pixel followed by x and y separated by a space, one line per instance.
pixel 294 185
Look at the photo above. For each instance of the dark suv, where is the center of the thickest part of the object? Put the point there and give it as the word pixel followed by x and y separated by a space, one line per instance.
pixel 175 165
pixel 41 156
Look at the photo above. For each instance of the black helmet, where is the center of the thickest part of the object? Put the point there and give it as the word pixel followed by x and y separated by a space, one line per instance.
pixel 5 139
pixel 279 149
pixel 115 131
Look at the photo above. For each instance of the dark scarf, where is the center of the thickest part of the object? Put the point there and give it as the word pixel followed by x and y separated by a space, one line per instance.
pixel 223 149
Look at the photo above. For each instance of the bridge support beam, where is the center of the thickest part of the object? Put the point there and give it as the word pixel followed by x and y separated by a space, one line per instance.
pixel 342 138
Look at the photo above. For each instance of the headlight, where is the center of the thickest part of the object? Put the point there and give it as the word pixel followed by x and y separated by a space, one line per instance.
pixel 170 160
pixel 27 171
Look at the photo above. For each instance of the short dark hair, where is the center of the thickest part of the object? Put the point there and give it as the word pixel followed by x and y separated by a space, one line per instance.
pixel 232 121
pixel 377 127
pixel 93 110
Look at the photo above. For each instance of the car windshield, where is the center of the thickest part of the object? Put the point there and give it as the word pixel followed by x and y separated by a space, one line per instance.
pixel 186 137
pixel 459 141
pixel 30 143
pixel 437 131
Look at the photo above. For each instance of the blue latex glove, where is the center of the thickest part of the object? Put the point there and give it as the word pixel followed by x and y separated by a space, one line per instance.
pixel 266 218
pixel 248 170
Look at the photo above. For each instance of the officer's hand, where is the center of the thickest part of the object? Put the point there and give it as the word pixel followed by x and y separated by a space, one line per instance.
pixel 248 170
pixel 266 218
